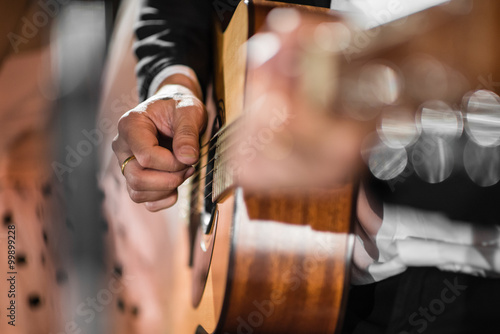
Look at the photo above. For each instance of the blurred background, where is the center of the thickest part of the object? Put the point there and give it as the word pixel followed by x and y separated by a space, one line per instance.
pixel 51 63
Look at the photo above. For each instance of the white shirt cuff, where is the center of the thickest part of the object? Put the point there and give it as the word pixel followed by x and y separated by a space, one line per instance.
pixel 169 71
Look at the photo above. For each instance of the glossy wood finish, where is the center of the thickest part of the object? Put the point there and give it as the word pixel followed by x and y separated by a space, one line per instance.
pixel 288 252
pixel 323 209
pixel 286 278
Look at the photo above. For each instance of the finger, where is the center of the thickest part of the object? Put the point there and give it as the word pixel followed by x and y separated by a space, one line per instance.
pixel 162 204
pixel 189 122
pixel 141 179
pixel 140 135
pixel 148 196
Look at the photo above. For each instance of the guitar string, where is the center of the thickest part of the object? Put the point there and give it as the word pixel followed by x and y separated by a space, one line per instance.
pixel 206 152
pixel 196 184
pixel 200 180
pixel 194 189
pixel 219 133
pixel 205 188
pixel 197 198
pixel 203 145
pixel 198 172
pixel 194 208
pixel 201 168
pixel 216 142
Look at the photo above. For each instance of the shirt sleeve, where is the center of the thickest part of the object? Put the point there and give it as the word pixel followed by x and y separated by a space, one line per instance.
pixel 172 32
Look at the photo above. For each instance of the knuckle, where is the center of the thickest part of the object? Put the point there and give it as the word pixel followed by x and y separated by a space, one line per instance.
pixel 171 186
pixel 174 197
pixel 174 182
pixel 171 182
pixel 200 116
pixel 144 158
pixel 134 181
pixel 186 130
pixel 127 122
pixel 172 200
pixel 115 145
pixel 195 113
pixel 123 123
pixel 186 133
pixel 199 110
pixel 136 196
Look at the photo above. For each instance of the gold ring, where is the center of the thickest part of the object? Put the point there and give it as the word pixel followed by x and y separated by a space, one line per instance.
pixel 132 157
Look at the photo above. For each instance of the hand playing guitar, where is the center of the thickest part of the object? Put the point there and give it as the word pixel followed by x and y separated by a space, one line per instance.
pixel 175 112
pixel 288 138
pixel 294 132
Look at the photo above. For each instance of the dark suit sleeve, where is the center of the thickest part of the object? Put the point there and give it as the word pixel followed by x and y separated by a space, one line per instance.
pixel 173 32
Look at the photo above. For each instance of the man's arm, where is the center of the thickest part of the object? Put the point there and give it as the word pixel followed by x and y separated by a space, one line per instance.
pixel 174 51
pixel 172 33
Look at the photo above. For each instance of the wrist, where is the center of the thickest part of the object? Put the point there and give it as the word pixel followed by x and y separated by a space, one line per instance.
pixel 177 75
pixel 173 91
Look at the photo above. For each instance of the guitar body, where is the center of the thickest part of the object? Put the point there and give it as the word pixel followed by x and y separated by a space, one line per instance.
pixel 273 262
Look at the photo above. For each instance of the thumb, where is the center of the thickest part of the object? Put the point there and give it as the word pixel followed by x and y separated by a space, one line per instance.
pixel 190 121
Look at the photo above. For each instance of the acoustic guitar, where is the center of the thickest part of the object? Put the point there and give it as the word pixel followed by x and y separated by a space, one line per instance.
pixel 276 262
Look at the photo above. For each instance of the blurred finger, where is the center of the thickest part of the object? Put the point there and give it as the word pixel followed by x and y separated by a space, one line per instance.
pixel 147 196
pixel 162 204
pixel 141 179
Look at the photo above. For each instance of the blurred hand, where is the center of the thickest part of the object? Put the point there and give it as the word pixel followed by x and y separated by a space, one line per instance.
pixel 294 132
pixel 163 134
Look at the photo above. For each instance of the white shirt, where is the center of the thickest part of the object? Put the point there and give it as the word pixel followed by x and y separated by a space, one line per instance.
pixel 417 238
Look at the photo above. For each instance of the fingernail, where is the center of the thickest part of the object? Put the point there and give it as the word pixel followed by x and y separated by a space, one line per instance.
pixel 188 152
pixel 189 172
